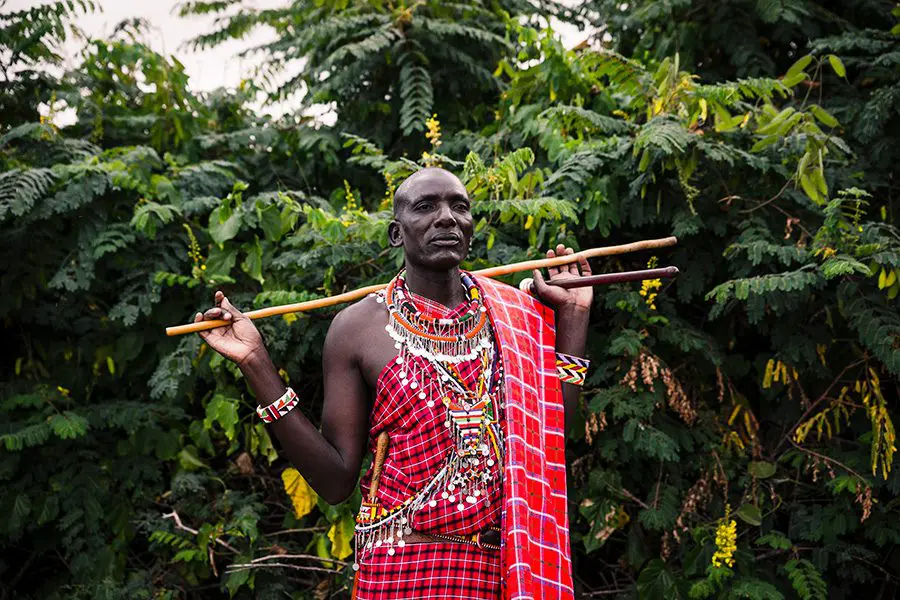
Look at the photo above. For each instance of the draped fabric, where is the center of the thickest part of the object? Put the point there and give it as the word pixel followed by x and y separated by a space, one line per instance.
pixel 418 449
pixel 536 557
pixel 528 497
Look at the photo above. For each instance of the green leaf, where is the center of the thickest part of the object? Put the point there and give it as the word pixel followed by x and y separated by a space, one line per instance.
pixel 68 425
pixel 645 161
pixel 224 224
pixel 188 460
pixel 810 188
pixel 252 265
pixel 592 216
pixel 798 66
pixel 656 582
pixel 234 580
pixel 223 411
pixel 21 506
pixel 795 79
pixel 823 116
pixel 776 540
pixel 761 469
pixel 220 261
pixel 270 221
pixel 837 65
pixel 750 514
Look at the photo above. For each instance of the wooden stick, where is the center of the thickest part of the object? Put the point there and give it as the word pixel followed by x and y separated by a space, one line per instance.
pixel 381 450
pixel 527 284
pixel 528 265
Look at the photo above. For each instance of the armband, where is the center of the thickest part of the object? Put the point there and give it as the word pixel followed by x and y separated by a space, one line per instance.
pixel 279 408
pixel 571 369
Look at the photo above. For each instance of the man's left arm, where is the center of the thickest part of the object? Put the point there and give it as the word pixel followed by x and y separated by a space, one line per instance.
pixel 571 336
pixel 573 308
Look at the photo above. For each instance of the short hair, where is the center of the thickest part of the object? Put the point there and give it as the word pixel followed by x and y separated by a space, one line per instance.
pixel 401 195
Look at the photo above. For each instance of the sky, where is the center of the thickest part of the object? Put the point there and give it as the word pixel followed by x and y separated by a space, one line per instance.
pixel 207 69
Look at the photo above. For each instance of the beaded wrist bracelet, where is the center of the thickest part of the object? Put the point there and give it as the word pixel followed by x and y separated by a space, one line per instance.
pixel 571 369
pixel 279 408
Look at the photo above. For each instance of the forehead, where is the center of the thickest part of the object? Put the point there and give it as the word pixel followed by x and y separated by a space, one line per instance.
pixel 433 183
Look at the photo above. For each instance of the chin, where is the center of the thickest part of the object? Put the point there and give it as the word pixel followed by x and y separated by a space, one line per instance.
pixel 444 260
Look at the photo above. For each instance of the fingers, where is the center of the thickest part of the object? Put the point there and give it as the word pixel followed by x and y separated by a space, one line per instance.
pixel 572 267
pixel 585 266
pixel 203 334
pixel 552 271
pixel 230 308
pixel 540 286
pixel 217 313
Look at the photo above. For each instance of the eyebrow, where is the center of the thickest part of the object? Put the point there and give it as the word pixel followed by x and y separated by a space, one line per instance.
pixel 434 197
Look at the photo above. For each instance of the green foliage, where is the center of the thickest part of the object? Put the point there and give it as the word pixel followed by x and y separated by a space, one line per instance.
pixel 757 387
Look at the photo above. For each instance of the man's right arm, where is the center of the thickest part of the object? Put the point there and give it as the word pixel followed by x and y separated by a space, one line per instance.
pixel 329 459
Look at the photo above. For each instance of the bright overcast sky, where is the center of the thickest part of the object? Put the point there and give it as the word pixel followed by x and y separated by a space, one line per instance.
pixel 208 69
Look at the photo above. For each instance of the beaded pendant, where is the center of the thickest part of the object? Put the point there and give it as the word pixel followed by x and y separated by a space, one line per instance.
pixel 470 414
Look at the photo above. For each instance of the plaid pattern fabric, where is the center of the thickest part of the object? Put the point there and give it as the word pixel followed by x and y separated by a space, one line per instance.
pixel 433 571
pixel 418 450
pixel 536 560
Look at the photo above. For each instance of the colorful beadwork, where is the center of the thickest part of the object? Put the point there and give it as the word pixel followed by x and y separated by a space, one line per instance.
pixel 571 369
pixel 471 413
pixel 274 411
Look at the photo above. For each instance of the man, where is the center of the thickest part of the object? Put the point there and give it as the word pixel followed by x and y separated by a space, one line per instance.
pixel 460 373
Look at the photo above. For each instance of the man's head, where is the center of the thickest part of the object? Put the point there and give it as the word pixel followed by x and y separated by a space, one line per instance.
pixel 432 219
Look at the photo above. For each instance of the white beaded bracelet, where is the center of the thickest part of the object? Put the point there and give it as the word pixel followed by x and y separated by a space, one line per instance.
pixel 279 408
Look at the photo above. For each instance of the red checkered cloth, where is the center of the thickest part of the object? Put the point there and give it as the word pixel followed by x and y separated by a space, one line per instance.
pixel 431 570
pixel 419 446
pixel 536 560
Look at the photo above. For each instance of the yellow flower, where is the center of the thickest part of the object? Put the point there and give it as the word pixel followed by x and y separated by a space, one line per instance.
pixel 390 188
pixel 351 199
pixel 434 131
pixel 649 287
pixel 726 541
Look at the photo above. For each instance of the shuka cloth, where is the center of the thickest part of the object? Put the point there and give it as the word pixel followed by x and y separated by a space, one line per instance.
pixel 528 498
pixel 419 445
pixel 535 528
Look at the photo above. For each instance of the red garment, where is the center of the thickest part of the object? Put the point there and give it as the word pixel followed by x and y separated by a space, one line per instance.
pixel 419 447
pixel 534 562
pixel 536 559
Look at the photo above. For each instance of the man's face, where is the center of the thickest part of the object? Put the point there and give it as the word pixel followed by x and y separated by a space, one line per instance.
pixel 433 221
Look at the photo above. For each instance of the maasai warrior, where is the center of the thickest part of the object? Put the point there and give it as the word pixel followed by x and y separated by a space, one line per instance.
pixel 464 374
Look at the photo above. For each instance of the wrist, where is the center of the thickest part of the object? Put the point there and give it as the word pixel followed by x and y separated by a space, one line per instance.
pixel 572 312
pixel 256 360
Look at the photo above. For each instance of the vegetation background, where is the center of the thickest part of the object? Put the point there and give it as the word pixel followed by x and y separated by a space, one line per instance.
pixel 737 437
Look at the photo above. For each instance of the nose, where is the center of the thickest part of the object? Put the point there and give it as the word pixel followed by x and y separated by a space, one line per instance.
pixel 445 217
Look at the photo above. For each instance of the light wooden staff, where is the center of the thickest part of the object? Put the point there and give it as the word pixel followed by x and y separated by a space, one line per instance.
pixel 527 265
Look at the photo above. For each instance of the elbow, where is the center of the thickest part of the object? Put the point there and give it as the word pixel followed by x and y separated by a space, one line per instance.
pixel 338 490
pixel 337 497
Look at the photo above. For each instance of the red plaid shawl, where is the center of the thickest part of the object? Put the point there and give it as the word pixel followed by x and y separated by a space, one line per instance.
pixel 536 562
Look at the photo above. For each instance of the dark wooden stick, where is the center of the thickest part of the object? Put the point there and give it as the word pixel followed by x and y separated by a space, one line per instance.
pixel 527 284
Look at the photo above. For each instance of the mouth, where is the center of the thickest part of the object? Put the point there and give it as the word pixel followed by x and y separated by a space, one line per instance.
pixel 446 240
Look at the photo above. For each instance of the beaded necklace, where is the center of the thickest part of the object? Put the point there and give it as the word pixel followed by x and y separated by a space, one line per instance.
pixel 471 413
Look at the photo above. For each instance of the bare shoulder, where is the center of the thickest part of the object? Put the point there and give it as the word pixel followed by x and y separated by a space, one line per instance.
pixel 357 320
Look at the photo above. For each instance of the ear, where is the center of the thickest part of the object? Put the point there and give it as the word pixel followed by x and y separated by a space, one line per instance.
pixel 395 234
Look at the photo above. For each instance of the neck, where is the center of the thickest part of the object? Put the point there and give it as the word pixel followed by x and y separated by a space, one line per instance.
pixel 439 286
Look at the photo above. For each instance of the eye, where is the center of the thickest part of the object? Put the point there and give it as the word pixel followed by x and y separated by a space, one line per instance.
pixel 461 205
pixel 423 206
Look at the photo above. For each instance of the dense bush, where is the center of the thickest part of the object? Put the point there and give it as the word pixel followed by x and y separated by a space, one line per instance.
pixel 737 436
